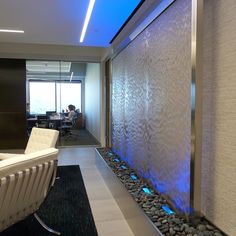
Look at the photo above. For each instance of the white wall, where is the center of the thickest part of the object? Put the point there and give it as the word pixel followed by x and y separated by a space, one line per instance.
pixel 219 113
pixel 92 100
pixel 51 52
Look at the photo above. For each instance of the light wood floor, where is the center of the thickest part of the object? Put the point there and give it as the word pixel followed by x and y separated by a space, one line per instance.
pixel 108 217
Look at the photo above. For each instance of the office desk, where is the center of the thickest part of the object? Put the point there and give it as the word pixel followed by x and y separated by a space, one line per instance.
pixel 55 122
pixel 52 122
pixel 31 121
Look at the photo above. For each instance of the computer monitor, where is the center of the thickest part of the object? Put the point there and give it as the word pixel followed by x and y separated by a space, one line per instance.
pixel 50 113
pixel 41 117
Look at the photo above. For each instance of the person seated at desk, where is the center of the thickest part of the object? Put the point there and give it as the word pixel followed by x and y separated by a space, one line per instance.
pixel 71 113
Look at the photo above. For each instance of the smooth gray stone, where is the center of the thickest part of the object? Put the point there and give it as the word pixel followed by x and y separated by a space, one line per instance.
pixel 201 227
pixel 164 221
pixel 209 227
pixel 176 228
pixel 172 232
pixel 158 224
pixel 153 209
pixel 218 234
pixel 208 233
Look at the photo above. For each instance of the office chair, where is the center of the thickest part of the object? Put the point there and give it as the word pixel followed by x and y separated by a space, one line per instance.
pixel 66 129
pixel 51 124
pixel 25 181
pixel 42 121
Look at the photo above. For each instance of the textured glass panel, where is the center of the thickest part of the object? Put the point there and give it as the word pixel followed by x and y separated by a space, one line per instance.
pixel 151 110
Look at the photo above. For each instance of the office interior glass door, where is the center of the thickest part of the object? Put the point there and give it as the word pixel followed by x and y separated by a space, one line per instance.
pixel 51 86
pixel 41 77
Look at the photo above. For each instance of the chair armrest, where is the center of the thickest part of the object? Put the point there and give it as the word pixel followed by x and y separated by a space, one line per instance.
pixel 4 156
pixel 20 162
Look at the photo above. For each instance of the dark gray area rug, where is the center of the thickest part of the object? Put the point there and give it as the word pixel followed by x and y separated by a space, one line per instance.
pixel 78 137
pixel 66 209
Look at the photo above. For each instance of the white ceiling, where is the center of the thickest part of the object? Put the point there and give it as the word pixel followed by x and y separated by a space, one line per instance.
pixel 48 66
pixel 60 21
pixel 55 70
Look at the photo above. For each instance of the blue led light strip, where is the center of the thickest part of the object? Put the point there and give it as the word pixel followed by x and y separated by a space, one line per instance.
pixel 133 177
pixel 123 167
pixel 147 190
pixel 167 209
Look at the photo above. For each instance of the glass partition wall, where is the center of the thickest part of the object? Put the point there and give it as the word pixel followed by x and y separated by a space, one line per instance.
pixel 51 87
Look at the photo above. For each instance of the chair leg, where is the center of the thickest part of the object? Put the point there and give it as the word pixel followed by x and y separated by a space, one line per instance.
pixel 45 226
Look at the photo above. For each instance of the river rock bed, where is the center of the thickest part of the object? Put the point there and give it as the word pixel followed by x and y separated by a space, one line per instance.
pixel 154 204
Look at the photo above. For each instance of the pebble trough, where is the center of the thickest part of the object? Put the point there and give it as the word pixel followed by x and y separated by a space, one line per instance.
pixel 154 205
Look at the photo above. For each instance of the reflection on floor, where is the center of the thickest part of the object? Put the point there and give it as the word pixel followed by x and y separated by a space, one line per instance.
pixel 79 137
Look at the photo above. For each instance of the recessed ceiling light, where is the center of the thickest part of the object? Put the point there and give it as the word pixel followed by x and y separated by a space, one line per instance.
pixel 11 31
pixel 87 18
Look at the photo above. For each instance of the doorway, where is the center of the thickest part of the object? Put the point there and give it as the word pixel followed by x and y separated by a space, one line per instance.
pixel 51 86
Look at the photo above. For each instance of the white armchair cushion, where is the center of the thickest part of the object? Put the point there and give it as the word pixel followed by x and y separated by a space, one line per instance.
pixel 40 139
pixel 4 156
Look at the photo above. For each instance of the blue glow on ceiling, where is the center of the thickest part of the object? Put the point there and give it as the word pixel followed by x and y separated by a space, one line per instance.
pixel 106 20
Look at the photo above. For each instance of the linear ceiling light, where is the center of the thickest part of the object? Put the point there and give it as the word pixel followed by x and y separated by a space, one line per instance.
pixel 87 18
pixel 11 31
